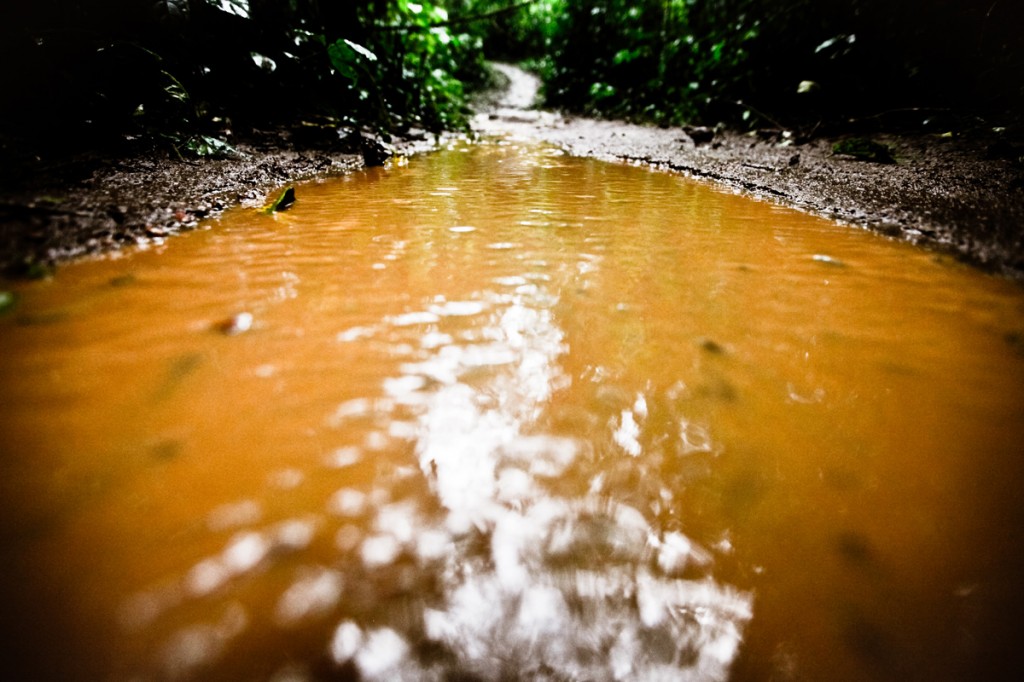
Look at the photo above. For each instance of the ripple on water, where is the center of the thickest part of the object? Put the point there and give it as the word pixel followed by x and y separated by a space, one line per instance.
pixel 546 423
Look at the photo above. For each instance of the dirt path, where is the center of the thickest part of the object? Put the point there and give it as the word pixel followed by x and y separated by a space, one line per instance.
pixel 959 196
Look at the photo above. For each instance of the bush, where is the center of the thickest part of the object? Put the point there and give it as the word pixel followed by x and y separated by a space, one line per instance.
pixel 97 69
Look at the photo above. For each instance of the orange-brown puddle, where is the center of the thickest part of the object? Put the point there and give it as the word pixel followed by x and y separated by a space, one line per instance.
pixel 512 414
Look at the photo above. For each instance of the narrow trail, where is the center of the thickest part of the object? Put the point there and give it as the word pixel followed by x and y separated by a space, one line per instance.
pixel 522 91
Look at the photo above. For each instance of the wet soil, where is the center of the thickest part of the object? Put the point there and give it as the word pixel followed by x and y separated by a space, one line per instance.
pixel 955 192
pixel 95 203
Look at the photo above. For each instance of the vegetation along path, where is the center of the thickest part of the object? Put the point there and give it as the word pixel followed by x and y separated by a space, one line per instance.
pixel 958 196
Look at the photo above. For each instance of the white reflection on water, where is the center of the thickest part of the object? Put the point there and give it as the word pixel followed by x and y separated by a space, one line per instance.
pixel 315 591
pixel 242 555
pixel 532 584
pixel 511 553
pixel 234 515
pixel 192 648
pixel 627 434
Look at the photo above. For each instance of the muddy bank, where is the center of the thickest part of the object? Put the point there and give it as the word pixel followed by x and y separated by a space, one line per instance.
pixel 942 194
pixel 94 204
pixel 958 195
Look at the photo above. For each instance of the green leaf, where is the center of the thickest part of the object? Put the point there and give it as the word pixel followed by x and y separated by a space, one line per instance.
pixel 601 91
pixel 174 88
pixel 625 56
pixel 716 51
pixel 283 201
pixel 349 58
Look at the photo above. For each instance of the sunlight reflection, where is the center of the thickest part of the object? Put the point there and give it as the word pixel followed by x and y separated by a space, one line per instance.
pixel 316 591
pixel 195 647
pixel 456 521
pixel 555 584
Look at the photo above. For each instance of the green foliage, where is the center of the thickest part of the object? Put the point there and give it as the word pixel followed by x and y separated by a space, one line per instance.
pixel 711 61
pixel 512 30
pixel 194 71
pixel 419 66
pixel 205 145
pixel 669 61
pixel 283 201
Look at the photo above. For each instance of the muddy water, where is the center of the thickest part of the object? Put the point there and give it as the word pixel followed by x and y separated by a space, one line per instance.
pixel 513 415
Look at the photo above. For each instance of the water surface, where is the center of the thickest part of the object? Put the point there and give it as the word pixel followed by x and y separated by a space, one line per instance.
pixel 510 414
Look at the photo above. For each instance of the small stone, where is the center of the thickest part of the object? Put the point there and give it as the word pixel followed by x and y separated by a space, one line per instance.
pixel 374 153
pixel 700 134
pixel 235 325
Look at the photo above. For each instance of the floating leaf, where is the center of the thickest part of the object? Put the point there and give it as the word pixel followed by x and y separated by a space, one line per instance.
pixel 283 201
pixel 807 87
